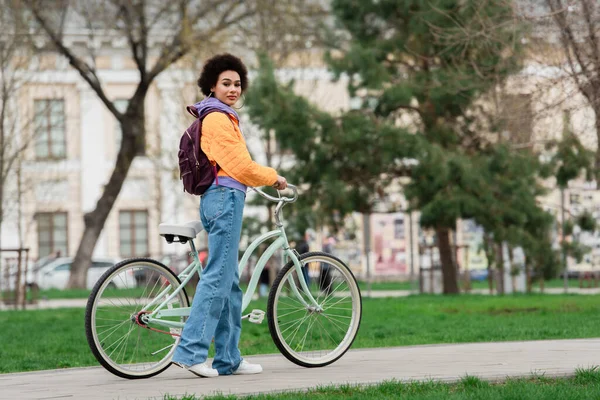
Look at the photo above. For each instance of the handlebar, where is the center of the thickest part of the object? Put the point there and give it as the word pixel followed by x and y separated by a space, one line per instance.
pixel 279 199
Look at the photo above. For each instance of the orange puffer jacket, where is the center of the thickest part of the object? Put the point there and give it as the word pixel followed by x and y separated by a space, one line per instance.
pixel 223 143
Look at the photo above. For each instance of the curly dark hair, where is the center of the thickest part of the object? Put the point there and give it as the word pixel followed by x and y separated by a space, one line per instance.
pixel 217 64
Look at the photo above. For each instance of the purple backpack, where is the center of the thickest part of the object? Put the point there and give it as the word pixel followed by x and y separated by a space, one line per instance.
pixel 195 170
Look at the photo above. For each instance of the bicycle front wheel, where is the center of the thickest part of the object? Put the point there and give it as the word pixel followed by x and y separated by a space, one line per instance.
pixel 118 334
pixel 315 336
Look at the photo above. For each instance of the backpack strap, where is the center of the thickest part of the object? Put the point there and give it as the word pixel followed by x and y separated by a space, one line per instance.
pixel 194 112
pixel 198 134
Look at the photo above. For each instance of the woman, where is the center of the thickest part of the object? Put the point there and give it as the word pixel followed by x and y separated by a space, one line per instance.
pixel 216 309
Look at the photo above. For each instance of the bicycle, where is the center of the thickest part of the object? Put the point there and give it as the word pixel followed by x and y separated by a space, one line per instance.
pixel 133 328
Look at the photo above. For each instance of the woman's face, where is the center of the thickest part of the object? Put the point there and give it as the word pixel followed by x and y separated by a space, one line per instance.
pixel 228 88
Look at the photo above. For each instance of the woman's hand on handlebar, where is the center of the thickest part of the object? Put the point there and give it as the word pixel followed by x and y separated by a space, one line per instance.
pixel 281 183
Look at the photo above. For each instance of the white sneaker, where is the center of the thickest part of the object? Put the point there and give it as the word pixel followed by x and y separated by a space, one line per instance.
pixel 245 368
pixel 201 370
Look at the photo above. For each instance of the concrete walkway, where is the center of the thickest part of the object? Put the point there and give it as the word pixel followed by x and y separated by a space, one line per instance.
pixel 490 361
pixel 65 303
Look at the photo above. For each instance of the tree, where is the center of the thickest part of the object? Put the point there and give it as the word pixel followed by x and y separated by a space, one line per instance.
pixel 284 29
pixel 299 29
pixel 578 23
pixel 341 159
pixel 430 61
pixel 13 46
pixel 16 53
pixel 509 209
pixel 570 161
pixel 158 34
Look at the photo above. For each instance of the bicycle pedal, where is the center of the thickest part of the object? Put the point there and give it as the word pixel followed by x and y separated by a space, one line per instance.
pixel 256 316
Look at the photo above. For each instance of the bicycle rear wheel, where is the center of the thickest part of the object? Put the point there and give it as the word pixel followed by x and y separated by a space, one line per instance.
pixel 306 335
pixel 114 325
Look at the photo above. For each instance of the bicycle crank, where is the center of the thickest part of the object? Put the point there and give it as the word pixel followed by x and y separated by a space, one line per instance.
pixel 256 316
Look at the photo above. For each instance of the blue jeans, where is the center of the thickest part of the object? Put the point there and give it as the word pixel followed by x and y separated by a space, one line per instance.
pixel 217 306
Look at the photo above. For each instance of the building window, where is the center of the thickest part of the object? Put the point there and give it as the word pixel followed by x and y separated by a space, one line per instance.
pixel 133 233
pixel 49 125
pixel 574 199
pixel 52 234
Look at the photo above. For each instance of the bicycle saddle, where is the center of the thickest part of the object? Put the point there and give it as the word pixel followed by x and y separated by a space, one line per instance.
pixel 180 232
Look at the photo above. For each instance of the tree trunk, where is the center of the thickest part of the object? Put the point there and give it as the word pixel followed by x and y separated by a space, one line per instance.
pixel 597 163
pixel 488 247
pixel 513 277
pixel 500 268
pixel 490 278
pixel 19 286
pixel 448 267
pixel 527 275
pixel 133 132
pixel 2 178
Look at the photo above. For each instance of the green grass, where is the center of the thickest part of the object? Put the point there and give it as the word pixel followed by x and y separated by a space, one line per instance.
pixel 408 285
pixel 584 385
pixel 559 283
pixel 551 283
pixel 48 339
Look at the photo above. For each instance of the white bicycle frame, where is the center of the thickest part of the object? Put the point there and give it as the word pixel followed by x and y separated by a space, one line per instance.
pixel 280 242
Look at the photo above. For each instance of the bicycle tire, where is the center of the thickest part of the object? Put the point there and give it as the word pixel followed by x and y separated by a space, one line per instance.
pixel 131 275
pixel 332 324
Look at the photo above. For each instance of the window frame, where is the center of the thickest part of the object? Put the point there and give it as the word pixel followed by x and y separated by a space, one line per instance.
pixel 132 229
pixel 52 230
pixel 47 127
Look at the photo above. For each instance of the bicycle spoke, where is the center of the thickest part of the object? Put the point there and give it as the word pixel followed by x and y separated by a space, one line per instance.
pixel 330 294
pixel 327 332
pixel 122 350
pixel 118 342
pixel 299 324
pixel 113 330
pixel 312 336
pixel 334 323
pixel 336 303
pixel 111 303
pixel 291 312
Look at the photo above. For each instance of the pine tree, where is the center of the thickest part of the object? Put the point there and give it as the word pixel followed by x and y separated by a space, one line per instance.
pixel 432 59
pixel 339 160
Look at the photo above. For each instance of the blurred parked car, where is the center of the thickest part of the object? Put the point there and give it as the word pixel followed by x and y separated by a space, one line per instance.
pixel 478 274
pixel 55 275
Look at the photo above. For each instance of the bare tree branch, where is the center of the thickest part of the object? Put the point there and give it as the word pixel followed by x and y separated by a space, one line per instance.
pixel 578 32
pixel 154 31
pixel 139 46
pixel 588 13
pixel 568 39
pixel 184 39
pixel 87 72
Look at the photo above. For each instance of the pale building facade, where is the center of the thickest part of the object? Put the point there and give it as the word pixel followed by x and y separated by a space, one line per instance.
pixel 77 138
pixel 73 150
